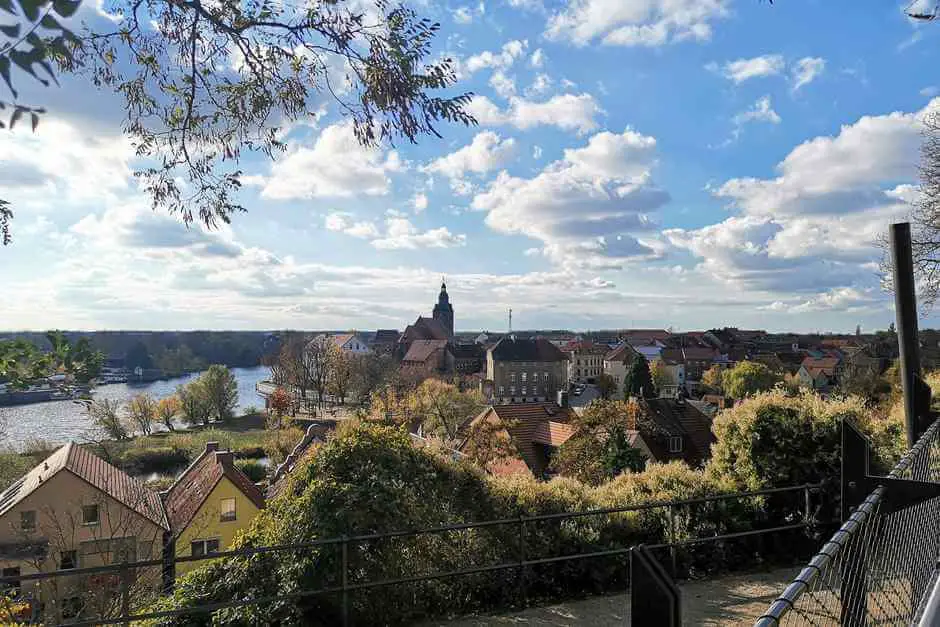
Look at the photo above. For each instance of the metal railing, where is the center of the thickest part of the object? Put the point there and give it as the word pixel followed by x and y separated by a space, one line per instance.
pixel 878 566
pixel 124 608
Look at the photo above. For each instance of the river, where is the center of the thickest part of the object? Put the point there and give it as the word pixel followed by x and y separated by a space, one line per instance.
pixel 61 421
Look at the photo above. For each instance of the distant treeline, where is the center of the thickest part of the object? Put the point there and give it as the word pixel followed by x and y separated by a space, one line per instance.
pixel 172 352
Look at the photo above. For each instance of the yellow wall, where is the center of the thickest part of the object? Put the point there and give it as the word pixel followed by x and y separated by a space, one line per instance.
pixel 58 506
pixel 206 524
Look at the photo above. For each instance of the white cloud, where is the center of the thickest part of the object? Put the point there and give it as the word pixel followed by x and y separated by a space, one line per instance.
pixel 537 60
pixel 419 202
pixel 502 60
pixel 400 233
pixel 336 166
pixel 503 85
pixel 760 111
pixel 744 69
pixel 541 84
pixel 60 160
pixel 814 226
pixel 342 223
pixel 635 22
pixel 930 91
pixel 566 111
pixel 463 15
pixel 585 207
pixel 487 152
pixel 806 71
pixel 536 152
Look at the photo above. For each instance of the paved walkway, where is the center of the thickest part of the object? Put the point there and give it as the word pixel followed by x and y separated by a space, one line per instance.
pixel 732 600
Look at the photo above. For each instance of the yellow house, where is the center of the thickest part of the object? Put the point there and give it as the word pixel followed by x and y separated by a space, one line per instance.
pixel 208 504
pixel 74 510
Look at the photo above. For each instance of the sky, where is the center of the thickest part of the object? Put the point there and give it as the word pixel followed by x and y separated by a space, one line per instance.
pixel 637 163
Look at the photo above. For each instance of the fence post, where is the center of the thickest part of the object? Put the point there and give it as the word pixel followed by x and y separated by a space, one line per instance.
pixel 345 579
pixel 905 305
pixel 672 538
pixel 522 553
pixel 125 594
pixel 807 504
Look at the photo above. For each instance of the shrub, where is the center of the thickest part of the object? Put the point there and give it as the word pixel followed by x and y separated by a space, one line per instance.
pixel 12 467
pixel 254 470
pixel 368 478
pixel 163 460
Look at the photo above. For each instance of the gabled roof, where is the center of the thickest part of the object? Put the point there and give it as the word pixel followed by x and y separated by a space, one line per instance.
pixel 191 489
pixel 646 334
pixel 98 473
pixel 675 418
pixel 528 425
pixel 826 365
pixel 624 353
pixel 422 350
pixel 424 329
pixel 516 349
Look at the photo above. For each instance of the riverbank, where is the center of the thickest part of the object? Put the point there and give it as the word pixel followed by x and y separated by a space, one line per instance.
pixel 63 421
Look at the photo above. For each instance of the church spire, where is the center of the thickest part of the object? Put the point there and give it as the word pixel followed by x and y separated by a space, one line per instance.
pixel 444 311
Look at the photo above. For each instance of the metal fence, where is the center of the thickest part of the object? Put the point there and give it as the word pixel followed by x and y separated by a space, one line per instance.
pixel 121 599
pixel 878 566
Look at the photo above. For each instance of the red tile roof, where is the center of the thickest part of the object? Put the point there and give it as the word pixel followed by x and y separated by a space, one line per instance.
pixel 422 350
pixel 85 465
pixel 192 488
pixel 528 425
pixel 624 353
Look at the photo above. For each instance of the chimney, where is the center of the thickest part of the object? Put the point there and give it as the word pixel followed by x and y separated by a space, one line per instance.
pixel 212 447
pixel 563 398
pixel 225 458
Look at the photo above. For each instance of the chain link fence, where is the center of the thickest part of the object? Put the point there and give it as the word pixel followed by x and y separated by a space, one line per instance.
pixel 876 569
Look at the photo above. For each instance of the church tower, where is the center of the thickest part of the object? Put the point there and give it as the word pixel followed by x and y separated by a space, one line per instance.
pixel 444 311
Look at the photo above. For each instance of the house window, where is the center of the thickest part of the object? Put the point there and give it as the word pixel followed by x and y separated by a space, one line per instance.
pixel 512 390
pixel 200 548
pixel 523 390
pixel 675 444
pixel 90 514
pixel 14 585
pixel 68 560
pixel 28 520
pixel 524 377
pixel 502 390
pixel 227 510
pixel 512 377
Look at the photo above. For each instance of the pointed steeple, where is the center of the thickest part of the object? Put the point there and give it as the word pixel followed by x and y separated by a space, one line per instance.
pixel 444 311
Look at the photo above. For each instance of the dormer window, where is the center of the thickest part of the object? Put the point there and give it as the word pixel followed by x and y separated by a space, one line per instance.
pixel 675 444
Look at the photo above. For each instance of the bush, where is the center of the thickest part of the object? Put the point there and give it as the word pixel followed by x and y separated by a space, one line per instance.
pixel 12 467
pixel 778 440
pixel 368 478
pixel 163 460
pixel 254 470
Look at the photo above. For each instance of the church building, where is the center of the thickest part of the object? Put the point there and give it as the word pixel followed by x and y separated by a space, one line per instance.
pixel 430 339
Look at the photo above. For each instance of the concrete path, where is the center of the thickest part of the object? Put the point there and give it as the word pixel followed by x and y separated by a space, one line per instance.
pixel 732 600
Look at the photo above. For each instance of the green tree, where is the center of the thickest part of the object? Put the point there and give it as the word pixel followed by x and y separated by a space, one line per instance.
pixel 606 386
pixel 600 448
pixel 639 381
pixel 660 375
pixel 195 405
pixel 21 363
pixel 748 378
pixel 221 391
pixel 713 379
pixel 202 82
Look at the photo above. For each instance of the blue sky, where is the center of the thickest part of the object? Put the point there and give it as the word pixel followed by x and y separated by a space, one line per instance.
pixel 666 163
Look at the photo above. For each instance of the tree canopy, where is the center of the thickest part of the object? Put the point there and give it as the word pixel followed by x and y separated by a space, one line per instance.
pixel 748 378
pixel 639 381
pixel 202 83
